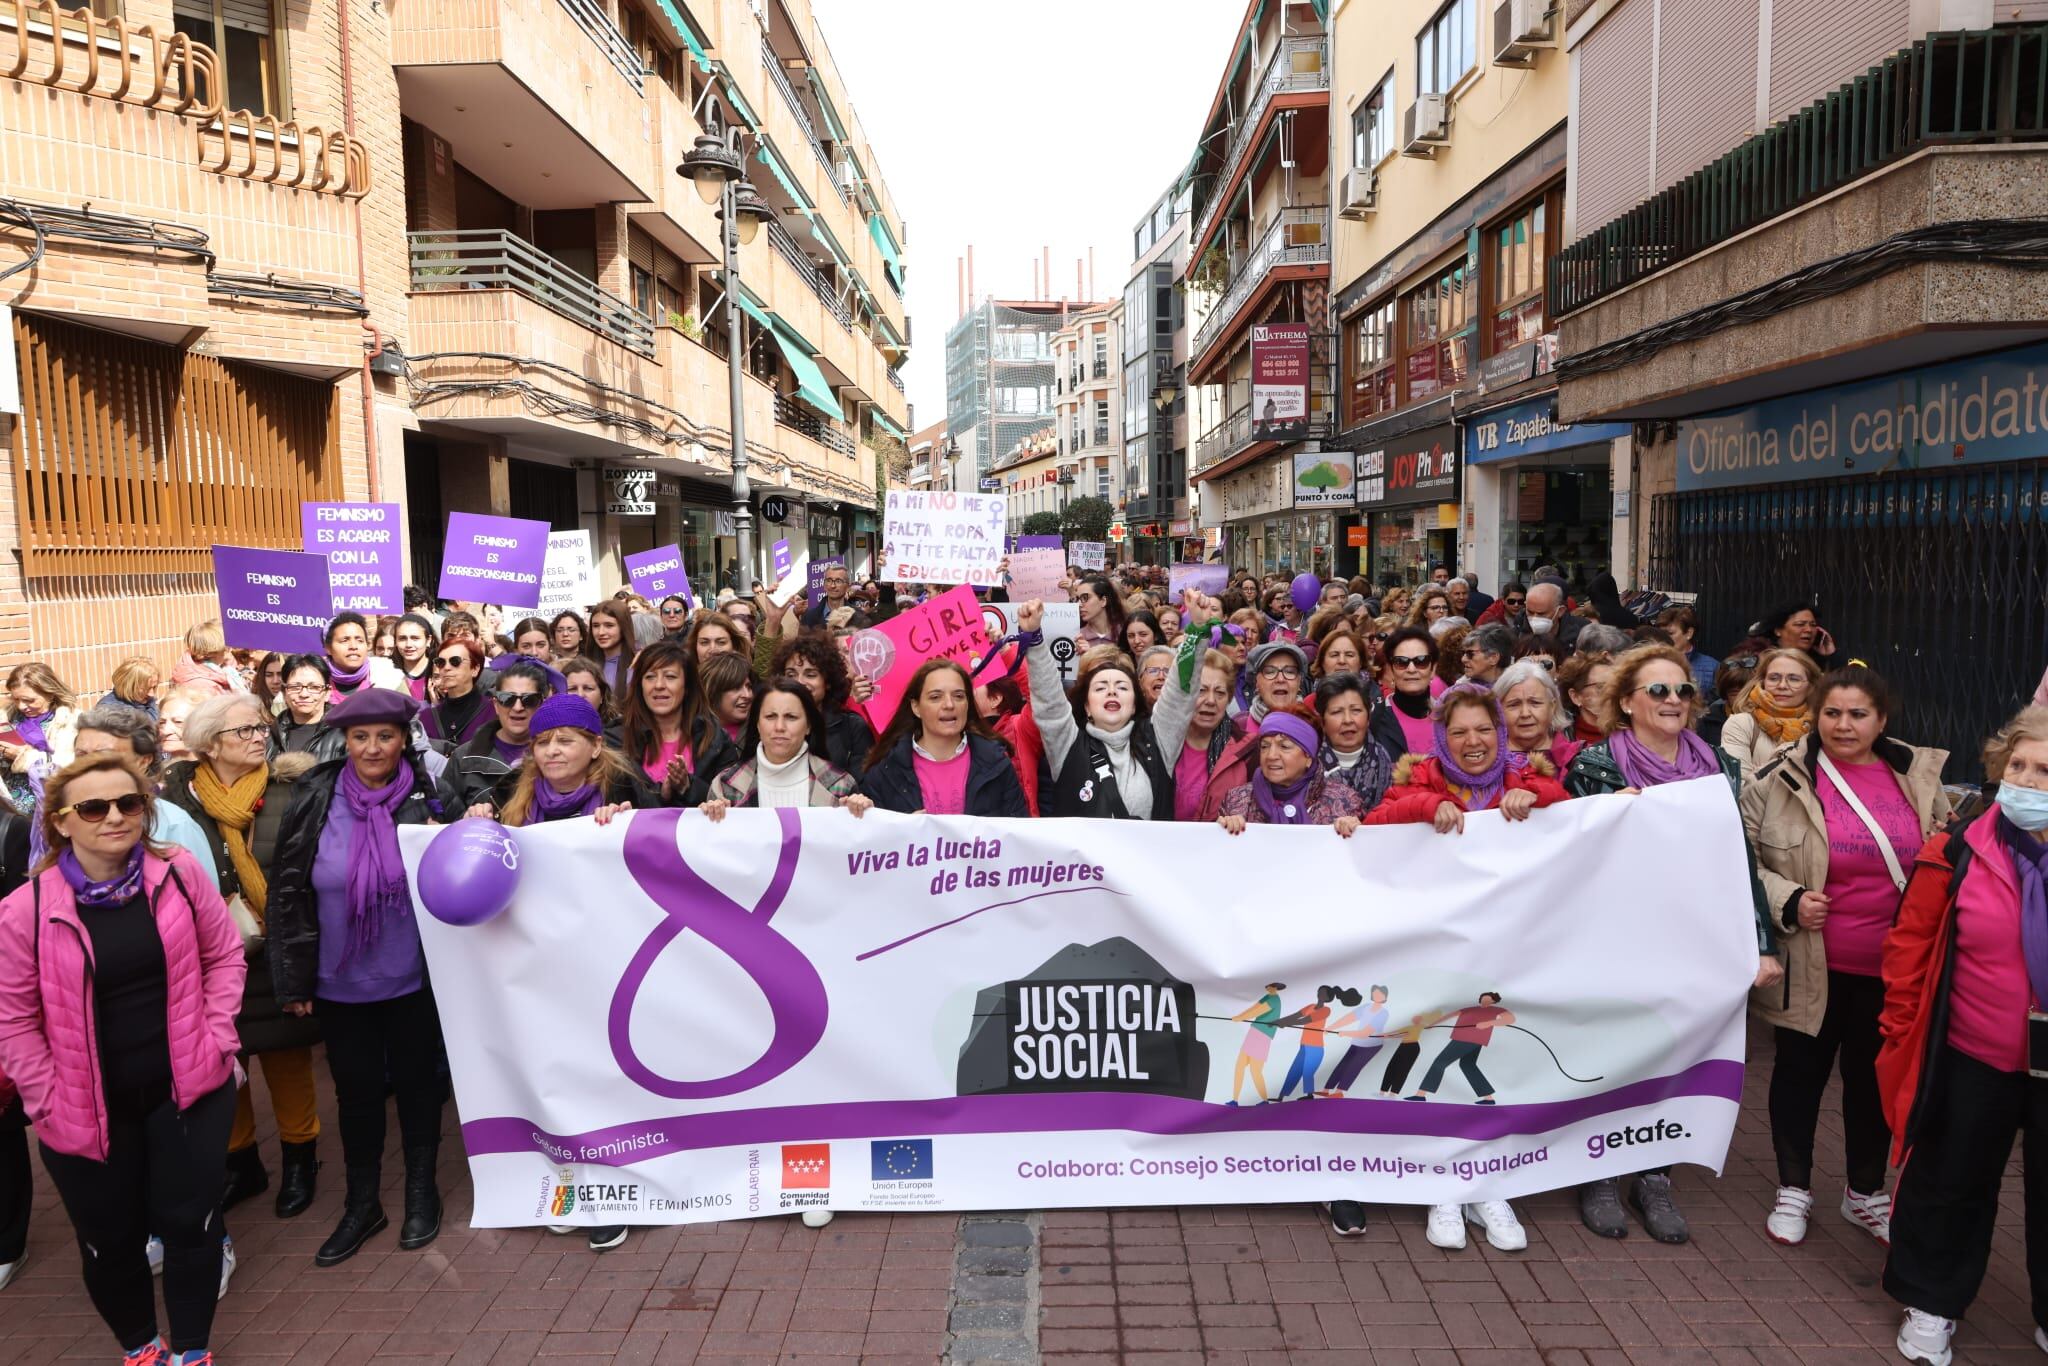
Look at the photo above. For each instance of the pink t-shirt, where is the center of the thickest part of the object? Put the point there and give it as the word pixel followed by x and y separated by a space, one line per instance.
pixel 1862 898
pixel 1988 1002
pixel 1421 734
pixel 664 755
pixel 944 783
pixel 1190 781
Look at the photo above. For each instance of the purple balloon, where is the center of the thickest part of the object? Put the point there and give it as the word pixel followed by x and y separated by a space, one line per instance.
pixel 469 872
pixel 1306 590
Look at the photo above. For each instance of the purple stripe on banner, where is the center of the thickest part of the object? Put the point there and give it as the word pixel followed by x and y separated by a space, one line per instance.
pixel 1045 1112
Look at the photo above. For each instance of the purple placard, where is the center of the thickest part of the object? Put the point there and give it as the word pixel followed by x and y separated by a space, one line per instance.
pixel 272 599
pixel 1207 579
pixel 659 573
pixel 780 556
pixel 493 559
pixel 814 578
pixel 360 541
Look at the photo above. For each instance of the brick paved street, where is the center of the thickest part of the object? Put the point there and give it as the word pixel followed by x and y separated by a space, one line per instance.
pixel 1230 1284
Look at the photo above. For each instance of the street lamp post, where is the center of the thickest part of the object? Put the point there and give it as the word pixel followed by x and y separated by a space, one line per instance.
pixel 718 170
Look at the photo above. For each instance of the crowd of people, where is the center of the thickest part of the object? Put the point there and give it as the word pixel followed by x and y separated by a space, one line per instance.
pixel 201 870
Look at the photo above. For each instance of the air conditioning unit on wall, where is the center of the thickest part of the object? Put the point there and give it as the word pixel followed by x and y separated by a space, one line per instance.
pixel 1426 125
pixel 1521 29
pixel 1361 193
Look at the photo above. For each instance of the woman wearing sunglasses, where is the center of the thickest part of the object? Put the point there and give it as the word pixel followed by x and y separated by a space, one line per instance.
pixel 120 974
pixel 238 796
pixel 1836 821
pixel 459 713
pixel 1648 709
pixel 344 949
pixel 302 728
pixel 522 685
pixel 1404 725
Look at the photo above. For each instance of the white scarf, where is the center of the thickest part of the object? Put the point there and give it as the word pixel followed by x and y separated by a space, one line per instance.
pixel 784 784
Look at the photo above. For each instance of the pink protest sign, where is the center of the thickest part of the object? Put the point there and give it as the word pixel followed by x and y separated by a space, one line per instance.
pixel 947 627
pixel 1037 574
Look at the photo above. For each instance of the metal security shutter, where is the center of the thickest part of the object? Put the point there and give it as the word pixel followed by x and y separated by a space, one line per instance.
pixel 1817 45
pixel 1611 165
pixel 1706 84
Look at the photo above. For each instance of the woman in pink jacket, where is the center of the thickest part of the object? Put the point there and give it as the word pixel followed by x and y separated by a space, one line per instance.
pixel 120 974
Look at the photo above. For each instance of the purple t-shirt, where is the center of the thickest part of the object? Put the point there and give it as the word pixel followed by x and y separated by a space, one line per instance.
pixel 394 965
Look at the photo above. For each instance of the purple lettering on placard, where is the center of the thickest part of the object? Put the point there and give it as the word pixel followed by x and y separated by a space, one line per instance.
pixel 493 559
pixel 659 573
pixel 272 599
pixel 814 578
pixel 360 541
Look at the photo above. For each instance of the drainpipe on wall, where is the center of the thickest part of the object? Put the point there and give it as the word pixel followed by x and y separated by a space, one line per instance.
pixel 348 119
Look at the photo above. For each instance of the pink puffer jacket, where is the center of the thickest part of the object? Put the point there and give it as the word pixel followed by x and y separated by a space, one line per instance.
pixel 49 1047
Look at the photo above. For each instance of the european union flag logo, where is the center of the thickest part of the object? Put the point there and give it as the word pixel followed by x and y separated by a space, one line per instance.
pixel 900 1159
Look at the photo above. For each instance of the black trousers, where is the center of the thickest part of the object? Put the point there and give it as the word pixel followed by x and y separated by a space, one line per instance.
pixel 370 1042
pixel 163 1175
pixel 1396 1075
pixel 17 1182
pixel 1800 1075
pixel 1947 1198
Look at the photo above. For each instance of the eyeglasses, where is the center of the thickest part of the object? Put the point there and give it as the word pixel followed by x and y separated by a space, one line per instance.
pixel 250 732
pixel 1410 661
pixel 517 701
pixel 1685 692
pixel 1157 671
pixel 305 689
pixel 1278 671
pixel 451 661
pixel 1783 680
pixel 93 810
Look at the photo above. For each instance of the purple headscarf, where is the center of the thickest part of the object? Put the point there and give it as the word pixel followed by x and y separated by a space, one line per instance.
pixel 1286 805
pixel 1486 787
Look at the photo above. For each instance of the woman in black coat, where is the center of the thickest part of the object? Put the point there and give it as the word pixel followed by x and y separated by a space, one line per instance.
pixel 938 755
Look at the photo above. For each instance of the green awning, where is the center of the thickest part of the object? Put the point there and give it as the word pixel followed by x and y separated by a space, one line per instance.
pixel 766 156
pixel 1322 9
pixel 890 260
pixel 882 421
pixel 825 103
pixel 682 31
pixel 736 99
pixel 811 384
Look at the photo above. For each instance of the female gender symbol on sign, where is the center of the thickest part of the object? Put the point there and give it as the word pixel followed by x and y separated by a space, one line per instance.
pixel 795 992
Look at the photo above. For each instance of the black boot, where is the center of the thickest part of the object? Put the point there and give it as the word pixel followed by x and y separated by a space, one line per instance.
pixel 422 1199
pixel 246 1177
pixel 295 1180
pixel 361 1217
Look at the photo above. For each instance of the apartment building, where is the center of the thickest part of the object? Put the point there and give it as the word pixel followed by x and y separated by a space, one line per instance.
pixel 423 251
pixel 1034 477
pixel 1797 267
pixel 927 450
pixel 1451 139
pixel 1260 372
pixel 1087 368
pixel 999 379
pixel 1155 505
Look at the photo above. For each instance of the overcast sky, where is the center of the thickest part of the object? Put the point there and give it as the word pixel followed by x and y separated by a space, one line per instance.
pixel 1021 126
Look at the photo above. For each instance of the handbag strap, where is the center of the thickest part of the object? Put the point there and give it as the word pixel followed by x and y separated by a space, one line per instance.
pixel 1884 841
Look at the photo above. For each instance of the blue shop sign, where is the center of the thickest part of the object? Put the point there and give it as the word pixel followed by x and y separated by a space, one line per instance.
pixel 1526 429
pixel 1980 411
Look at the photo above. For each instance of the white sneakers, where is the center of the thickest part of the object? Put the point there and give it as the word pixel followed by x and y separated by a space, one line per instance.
pixel 154 1251
pixel 8 1270
pixel 227 1265
pixel 1871 1213
pixel 817 1218
pixel 1925 1337
pixel 1787 1221
pixel 1446 1227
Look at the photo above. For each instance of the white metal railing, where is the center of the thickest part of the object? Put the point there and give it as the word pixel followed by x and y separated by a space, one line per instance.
pixel 780 80
pixel 1298 64
pixel 895 379
pixel 488 258
pixel 1298 237
pixel 616 47
pixel 788 250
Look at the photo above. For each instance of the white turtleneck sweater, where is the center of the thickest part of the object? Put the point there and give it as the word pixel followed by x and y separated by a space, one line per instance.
pixel 786 784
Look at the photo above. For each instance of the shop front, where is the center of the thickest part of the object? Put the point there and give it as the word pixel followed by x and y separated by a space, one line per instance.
pixel 1408 504
pixel 1540 492
pixel 1257 512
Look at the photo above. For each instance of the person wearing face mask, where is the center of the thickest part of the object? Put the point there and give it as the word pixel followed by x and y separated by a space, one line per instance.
pixel 1288 787
pixel 937 755
pixel 1775 712
pixel 1960 1068
pixel 1836 820
pixel 1538 722
pixel 350 663
pixel 1648 709
pixel 1348 755
pixel 1117 762
pixel 1547 614
pixel 1404 726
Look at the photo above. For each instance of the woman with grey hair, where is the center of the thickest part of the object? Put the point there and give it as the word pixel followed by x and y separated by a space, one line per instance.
pixel 1486 652
pixel 1596 639
pixel 1538 720
pixel 1152 670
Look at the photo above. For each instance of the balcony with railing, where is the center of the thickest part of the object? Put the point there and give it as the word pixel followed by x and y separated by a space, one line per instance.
pixel 1298 66
pixel 790 252
pixel 1981 86
pixel 778 78
pixel 1234 433
pixel 488 258
pixel 895 379
pixel 616 47
pixel 792 413
pixel 1298 237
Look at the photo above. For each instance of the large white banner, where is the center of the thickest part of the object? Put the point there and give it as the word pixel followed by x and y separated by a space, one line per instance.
pixel 673 1023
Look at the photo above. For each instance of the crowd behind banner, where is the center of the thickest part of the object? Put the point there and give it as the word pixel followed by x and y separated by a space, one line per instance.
pixel 202 873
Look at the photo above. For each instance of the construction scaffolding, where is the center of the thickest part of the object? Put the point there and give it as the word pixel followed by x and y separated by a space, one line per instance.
pixel 999 376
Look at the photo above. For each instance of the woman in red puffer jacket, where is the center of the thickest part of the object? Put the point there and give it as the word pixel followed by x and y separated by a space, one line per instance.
pixel 1472 769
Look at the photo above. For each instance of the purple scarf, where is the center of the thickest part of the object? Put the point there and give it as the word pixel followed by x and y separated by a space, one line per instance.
pixel 346 683
pixel 1282 805
pixel 376 875
pixel 550 805
pixel 2030 862
pixel 1487 787
pixel 114 890
pixel 30 729
pixel 1644 767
